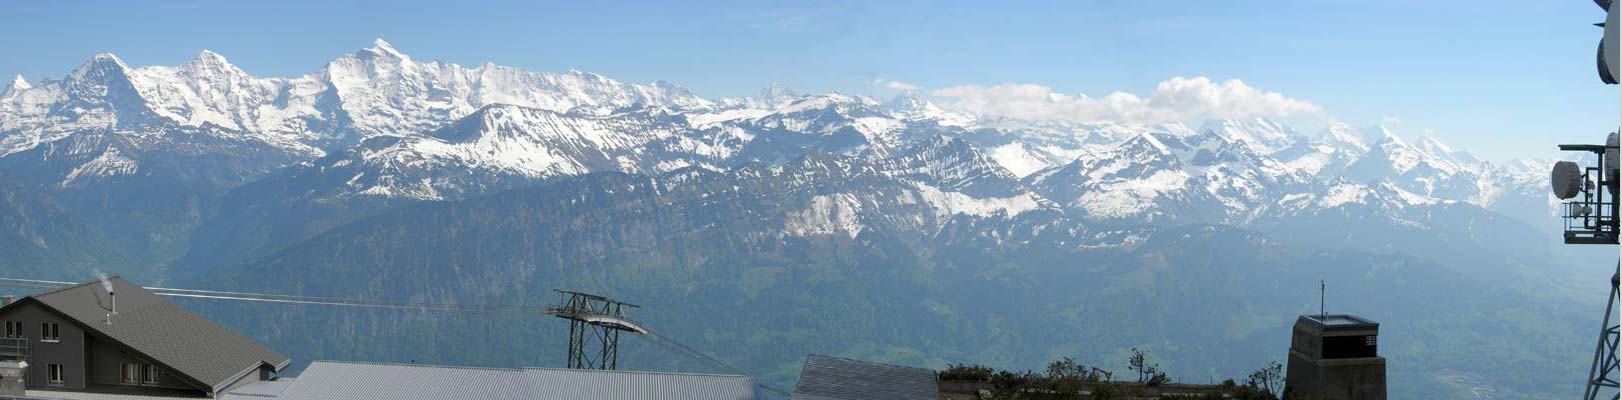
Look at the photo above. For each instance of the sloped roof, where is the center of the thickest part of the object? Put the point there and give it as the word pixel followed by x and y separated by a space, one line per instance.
pixel 833 378
pixel 615 385
pixel 333 380
pixel 161 331
pixel 326 380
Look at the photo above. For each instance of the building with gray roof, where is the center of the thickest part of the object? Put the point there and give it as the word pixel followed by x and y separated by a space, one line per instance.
pixel 334 380
pixel 84 338
pixel 833 378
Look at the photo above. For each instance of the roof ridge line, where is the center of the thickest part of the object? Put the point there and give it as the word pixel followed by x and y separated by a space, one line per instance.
pixel 808 356
pixel 637 372
pixel 396 364
pixel 73 286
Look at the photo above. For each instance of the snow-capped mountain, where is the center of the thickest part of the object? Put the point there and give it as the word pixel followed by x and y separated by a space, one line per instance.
pixel 381 165
pixel 205 126
pixel 375 91
pixel 1205 177
pixel 954 165
pixel 1328 153
pixel 1261 135
pixel 1391 158
pixel 380 127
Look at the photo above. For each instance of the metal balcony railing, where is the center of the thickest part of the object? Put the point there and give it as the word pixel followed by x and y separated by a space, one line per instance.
pixel 14 348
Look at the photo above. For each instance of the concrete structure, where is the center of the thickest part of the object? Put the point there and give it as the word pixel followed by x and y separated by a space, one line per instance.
pixel 832 378
pixel 73 340
pixel 1335 357
pixel 11 378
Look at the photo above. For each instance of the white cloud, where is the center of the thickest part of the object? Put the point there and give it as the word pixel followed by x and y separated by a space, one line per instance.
pixel 898 85
pixel 1389 120
pixel 1176 99
pixel 895 85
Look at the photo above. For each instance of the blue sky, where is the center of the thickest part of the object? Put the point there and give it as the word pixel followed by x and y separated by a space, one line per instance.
pixel 1500 78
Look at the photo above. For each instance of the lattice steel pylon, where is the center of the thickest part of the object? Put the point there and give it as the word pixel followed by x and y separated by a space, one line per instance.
pixel 595 323
pixel 1603 372
pixel 1593 215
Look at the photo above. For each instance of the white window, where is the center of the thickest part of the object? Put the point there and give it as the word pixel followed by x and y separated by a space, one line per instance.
pixel 130 373
pixel 14 329
pixel 54 373
pixel 49 332
pixel 149 373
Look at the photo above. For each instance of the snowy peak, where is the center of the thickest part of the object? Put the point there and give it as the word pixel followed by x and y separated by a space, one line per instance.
pixel 1261 134
pixel 1379 135
pixel 1341 135
pixel 99 66
pixel 382 49
pixel 209 64
pixel 776 95
pixel 210 58
pixel 18 84
pixel 908 106
pixel 954 165
pixel 820 102
pixel 1147 144
pixel 1435 148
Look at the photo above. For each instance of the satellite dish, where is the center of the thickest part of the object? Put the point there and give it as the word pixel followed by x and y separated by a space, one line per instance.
pixel 1608 52
pixel 1566 179
pixel 1611 159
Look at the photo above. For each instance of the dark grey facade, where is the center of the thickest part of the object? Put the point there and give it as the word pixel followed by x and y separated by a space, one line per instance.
pixel 68 350
pixel 73 343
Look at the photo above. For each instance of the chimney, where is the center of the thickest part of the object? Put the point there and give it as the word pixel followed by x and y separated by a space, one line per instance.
pixel 7 300
pixel 114 300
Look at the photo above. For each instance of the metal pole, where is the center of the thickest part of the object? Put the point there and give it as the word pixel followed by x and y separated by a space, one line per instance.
pixel 1605 358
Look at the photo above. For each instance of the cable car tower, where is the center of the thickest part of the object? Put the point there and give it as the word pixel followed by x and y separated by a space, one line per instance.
pixel 595 323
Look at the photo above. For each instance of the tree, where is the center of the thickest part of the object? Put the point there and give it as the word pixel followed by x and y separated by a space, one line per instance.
pixel 1269 379
pixel 1149 373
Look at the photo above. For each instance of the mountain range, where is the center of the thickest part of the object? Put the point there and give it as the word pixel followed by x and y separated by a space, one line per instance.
pixel 382 176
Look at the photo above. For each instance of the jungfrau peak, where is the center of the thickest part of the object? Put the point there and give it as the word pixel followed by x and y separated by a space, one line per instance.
pixel 382 47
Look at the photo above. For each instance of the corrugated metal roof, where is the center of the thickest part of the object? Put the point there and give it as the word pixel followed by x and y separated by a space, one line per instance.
pixel 327 380
pixel 181 340
pixel 262 389
pixel 617 385
pixel 832 378
pixel 331 380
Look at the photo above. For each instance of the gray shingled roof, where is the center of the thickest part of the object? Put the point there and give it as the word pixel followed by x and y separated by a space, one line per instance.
pixel 832 378
pixel 331 380
pixel 169 335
